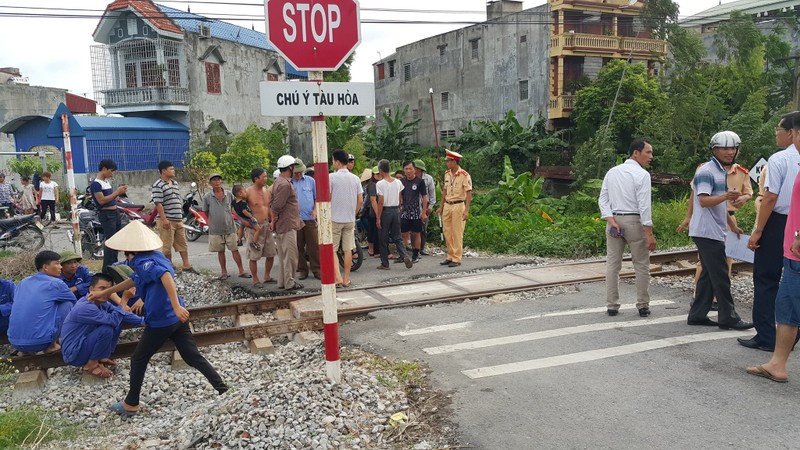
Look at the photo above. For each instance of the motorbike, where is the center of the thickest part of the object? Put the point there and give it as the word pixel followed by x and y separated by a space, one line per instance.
pixel 21 233
pixel 195 221
pixel 358 252
pixel 92 237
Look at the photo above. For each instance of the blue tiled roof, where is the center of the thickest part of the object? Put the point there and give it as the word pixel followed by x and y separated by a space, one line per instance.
pixel 223 30
pixel 128 123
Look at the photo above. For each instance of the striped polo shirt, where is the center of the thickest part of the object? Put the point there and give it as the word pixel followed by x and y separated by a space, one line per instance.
pixel 710 223
pixel 169 196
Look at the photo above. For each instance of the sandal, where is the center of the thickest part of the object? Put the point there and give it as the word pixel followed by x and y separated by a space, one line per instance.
pixel 223 277
pixel 245 275
pixel 120 409
pixel 98 371
pixel 108 362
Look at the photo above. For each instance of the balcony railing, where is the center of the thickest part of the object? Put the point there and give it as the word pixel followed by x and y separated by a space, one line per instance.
pixel 611 4
pixel 601 43
pixel 561 106
pixel 146 96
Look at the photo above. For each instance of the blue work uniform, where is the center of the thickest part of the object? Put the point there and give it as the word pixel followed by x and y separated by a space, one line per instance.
pixel 7 289
pixel 91 331
pixel 148 267
pixel 41 304
pixel 81 280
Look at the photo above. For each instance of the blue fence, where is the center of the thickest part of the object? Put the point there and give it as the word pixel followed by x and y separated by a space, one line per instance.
pixel 137 154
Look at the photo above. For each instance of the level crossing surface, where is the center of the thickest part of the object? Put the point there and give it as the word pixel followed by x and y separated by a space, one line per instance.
pixel 557 372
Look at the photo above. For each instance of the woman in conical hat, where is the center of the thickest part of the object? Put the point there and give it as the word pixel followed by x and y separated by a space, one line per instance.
pixel 166 316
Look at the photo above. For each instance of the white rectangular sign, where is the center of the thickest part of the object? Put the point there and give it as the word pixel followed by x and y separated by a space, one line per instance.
pixel 755 172
pixel 312 98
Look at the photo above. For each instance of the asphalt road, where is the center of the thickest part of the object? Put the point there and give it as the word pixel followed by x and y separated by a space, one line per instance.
pixel 585 380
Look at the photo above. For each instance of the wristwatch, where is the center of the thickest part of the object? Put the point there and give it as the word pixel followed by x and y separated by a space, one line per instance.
pixel 797 235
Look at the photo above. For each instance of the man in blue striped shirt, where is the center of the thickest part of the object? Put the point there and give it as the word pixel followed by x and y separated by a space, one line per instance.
pixel 709 228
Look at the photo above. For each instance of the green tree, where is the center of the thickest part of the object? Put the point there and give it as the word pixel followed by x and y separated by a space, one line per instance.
pixel 341 129
pixel 595 156
pixel 247 151
pixel 392 140
pixel 27 165
pixel 342 74
pixel 199 165
pixel 627 89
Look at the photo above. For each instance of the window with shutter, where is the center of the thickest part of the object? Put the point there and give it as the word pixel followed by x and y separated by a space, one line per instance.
pixel 213 84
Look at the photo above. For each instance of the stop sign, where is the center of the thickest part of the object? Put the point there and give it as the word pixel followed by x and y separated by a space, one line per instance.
pixel 313 35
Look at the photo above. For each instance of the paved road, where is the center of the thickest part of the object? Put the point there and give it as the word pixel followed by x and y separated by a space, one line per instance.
pixel 567 376
pixel 203 260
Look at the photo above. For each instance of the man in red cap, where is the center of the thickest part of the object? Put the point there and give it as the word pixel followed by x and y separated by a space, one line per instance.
pixel 454 209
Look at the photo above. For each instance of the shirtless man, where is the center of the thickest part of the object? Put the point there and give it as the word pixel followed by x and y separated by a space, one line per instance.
pixel 258 200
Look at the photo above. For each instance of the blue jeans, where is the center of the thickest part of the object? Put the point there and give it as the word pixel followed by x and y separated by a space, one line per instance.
pixel 787 302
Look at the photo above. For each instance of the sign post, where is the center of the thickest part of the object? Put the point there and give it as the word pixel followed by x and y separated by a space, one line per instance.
pixel 73 198
pixel 316 36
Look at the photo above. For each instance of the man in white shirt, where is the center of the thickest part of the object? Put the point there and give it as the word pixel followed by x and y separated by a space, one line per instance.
pixel 387 215
pixel 626 207
pixel 346 198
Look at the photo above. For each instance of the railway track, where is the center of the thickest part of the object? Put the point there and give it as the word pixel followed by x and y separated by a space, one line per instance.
pixel 282 327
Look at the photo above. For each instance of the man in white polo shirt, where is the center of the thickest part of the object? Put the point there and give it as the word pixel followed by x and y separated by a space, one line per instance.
pixel 346 198
pixel 626 207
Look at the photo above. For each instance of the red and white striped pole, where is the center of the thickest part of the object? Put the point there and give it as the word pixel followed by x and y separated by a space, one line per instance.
pixel 330 316
pixel 73 198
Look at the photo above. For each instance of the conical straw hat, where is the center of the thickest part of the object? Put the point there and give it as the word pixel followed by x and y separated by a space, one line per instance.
pixel 134 237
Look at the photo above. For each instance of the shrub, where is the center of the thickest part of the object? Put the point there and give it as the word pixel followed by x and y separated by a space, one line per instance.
pixel 21 426
pixel 17 266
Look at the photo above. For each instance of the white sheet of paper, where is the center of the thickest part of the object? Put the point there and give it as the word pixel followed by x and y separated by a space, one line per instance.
pixel 736 248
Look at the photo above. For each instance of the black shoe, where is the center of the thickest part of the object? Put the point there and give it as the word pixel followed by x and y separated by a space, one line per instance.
pixel 399 260
pixel 754 344
pixel 706 322
pixel 740 325
pixel 612 312
pixel 424 253
pixel 295 287
pixel 445 262
pixel 382 267
pixel 302 276
pixel 415 259
pixel 644 312
pixel 453 264
pixel 714 307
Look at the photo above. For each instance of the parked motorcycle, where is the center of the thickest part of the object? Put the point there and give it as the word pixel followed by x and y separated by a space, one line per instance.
pixel 92 237
pixel 21 233
pixel 358 252
pixel 195 221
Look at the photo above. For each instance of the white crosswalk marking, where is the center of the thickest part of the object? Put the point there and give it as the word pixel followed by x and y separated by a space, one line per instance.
pixel 594 355
pixel 601 309
pixel 435 329
pixel 517 338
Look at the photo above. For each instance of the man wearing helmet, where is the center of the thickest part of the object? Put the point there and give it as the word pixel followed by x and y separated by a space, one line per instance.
pixel 285 222
pixel 708 228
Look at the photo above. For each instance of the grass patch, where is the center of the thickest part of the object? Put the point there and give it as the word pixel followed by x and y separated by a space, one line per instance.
pixel 29 426
pixel 408 373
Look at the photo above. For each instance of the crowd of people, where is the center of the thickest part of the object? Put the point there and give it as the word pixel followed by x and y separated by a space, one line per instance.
pixel 66 308
pixel 720 187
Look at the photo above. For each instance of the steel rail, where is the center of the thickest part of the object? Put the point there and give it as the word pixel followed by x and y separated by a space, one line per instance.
pixel 283 327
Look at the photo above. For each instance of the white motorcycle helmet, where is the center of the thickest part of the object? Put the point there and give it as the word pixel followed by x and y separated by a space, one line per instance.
pixel 725 139
pixel 285 161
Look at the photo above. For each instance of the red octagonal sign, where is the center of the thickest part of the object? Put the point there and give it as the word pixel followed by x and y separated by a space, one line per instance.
pixel 313 35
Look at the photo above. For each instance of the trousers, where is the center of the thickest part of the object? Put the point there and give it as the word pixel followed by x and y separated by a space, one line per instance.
pixel 713 282
pixel 453 224
pixel 287 255
pixel 308 245
pixel 98 344
pixel 767 270
pixel 62 310
pixel 636 239
pixel 390 229
pixel 111 223
pixel 152 340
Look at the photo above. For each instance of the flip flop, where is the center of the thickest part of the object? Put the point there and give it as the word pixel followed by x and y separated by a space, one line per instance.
pixel 108 362
pixel 223 277
pixel 245 275
pixel 119 409
pixel 99 371
pixel 760 371
pixel 258 285
pixel 271 280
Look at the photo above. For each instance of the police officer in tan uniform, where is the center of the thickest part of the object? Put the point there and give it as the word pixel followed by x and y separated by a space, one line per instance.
pixel 454 209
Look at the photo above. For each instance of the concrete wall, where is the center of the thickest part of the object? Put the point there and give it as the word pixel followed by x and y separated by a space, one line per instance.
pixel 479 88
pixel 23 100
pixel 239 104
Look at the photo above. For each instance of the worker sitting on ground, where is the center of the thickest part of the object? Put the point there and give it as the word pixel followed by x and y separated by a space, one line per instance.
pixel 42 302
pixel 7 289
pixel 91 330
pixel 76 276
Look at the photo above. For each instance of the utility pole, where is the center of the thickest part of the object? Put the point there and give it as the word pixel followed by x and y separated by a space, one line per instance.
pixel 435 131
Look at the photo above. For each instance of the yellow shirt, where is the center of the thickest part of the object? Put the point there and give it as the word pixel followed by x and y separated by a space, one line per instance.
pixel 739 180
pixel 457 185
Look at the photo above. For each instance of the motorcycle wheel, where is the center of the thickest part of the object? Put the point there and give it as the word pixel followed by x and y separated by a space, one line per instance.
pixel 89 248
pixel 358 258
pixel 28 239
pixel 191 236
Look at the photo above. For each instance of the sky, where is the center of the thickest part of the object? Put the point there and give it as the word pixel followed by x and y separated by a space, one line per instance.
pixel 54 52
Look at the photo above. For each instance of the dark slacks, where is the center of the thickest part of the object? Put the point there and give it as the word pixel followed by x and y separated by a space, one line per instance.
pixel 713 282
pixel 373 235
pixel 390 229
pixel 111 222
pixel 152 340
pixel 51 205
pixel 308 244
pixel 767 270
pixel 423 237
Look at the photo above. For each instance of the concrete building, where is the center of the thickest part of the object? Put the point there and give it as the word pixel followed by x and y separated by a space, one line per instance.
pixel 528 61
pixel 156 61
